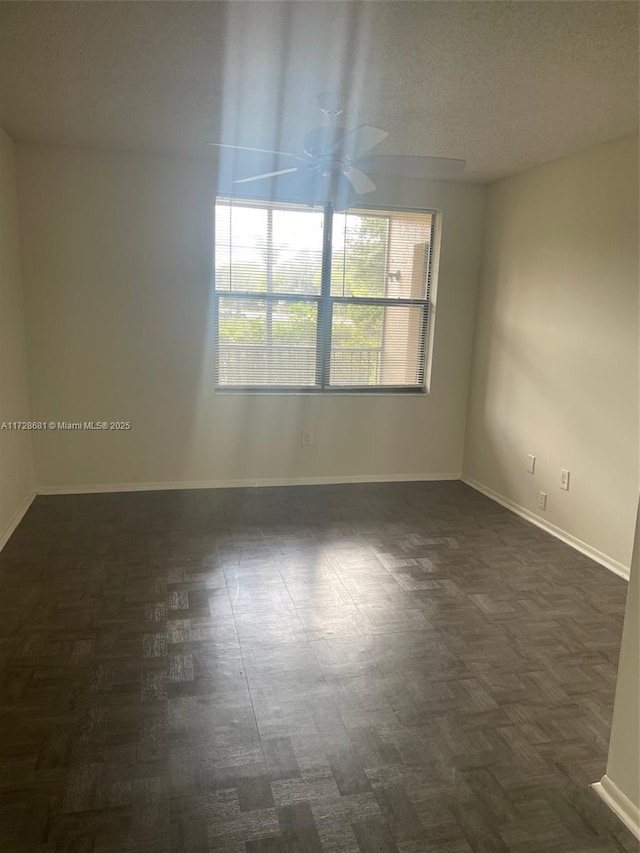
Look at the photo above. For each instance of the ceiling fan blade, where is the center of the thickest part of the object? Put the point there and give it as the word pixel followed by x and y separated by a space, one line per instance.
pixel 358 141
pixel 358 180
pixel 406 166
pixel 255 150
pixel 341 193
pixel 266 175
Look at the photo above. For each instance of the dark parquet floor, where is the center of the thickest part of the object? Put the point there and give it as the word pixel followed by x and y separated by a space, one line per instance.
pixel 399 667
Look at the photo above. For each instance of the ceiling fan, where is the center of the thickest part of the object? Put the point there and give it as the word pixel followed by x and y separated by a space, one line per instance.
pixel 335 162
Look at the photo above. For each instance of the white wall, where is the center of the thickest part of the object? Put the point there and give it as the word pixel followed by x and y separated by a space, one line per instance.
pixel 623 766
pixel 16 481
pixel 555 363
pixel 117 258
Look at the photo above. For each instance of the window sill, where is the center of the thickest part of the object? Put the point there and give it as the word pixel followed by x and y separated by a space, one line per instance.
pixel 334 392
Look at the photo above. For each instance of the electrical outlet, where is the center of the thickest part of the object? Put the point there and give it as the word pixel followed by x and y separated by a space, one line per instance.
pixel 531 463
pixel 542 500
pixel 306 439
pixel 564 479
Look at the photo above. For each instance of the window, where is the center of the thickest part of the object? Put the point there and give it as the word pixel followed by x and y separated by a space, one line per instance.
pixel 313 300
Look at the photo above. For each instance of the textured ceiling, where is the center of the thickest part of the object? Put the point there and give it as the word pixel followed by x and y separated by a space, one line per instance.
pixel 505 85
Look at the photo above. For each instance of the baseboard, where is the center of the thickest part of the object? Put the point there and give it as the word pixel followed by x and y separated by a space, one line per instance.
pixel 16 519
pixel 619 804
pixel 608 562
pixel 238 484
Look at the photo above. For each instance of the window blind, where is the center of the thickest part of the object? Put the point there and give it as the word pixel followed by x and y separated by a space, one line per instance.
pixel 309 299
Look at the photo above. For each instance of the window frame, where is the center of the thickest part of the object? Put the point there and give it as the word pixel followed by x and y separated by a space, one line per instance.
pixel 325 301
